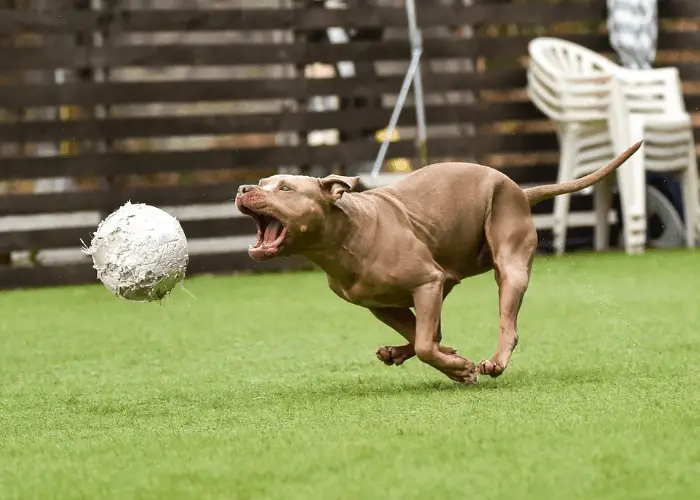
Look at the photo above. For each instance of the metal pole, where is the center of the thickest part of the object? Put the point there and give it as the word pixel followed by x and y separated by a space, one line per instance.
pixel 412 76
pixel 416 38
pixel 405 87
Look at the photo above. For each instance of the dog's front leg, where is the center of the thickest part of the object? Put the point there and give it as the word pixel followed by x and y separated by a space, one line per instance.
pixel 427 300
pixel 403 321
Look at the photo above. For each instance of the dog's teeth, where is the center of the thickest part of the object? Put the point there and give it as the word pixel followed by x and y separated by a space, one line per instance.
pixel 279 238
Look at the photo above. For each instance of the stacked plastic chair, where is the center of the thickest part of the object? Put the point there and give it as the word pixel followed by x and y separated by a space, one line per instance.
pixel 599 109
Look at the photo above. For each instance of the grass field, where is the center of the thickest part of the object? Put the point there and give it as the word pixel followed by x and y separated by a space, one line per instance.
pixel 268 387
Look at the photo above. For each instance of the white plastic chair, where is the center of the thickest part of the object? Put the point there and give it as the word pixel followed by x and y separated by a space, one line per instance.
pixel 657 114
pixel 600 109
pixel 581 95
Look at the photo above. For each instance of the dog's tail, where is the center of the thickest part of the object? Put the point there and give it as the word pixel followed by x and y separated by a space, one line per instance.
pixel 540 193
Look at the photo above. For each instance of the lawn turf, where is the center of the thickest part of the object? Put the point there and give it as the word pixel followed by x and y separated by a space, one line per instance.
pixel 268 387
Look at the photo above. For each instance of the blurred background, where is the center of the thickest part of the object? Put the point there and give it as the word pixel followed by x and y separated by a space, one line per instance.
pixel 176 102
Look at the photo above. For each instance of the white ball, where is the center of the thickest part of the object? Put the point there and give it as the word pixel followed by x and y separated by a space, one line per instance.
pixel 139 252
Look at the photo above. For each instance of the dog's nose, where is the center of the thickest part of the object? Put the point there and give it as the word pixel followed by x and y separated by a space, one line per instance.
pixel 244 189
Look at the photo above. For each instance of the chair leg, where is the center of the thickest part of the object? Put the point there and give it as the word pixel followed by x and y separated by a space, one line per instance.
pixel 602 200
pixel 691 200
pixel 633 200
pixel 635 233
pixel 562 202
pixel 561 212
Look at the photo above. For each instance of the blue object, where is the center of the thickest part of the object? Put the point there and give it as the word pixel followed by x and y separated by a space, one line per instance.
pixel 670 187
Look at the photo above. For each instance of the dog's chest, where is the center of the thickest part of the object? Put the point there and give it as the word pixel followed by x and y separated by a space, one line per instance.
pixel 368 294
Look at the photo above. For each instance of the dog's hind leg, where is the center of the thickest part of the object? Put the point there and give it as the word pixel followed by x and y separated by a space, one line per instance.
pixel 512 237
pixel 404 322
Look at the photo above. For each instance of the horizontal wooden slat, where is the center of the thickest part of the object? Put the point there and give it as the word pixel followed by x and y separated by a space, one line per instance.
pixel 224 54
pixel 69 237
pixel 293 53
pixel 92 94
pixel 526 174
pixel 170 126
pixel 182 161
pixel 517 78
pixel 689 71
pixel 692 103
pixel 679 9
pixel 113 93
pixel 106 201
pixel 296 53
pixel 599 42
pixel 83 273
pixel 124 21
pixel 191 160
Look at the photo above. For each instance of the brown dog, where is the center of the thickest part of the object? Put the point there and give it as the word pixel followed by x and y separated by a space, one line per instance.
pixel 407 245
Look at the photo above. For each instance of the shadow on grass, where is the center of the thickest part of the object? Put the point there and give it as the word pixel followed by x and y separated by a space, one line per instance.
pixel 339 389
pixel 546 380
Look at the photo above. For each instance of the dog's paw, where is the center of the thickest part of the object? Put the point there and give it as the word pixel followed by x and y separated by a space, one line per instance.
pixel 397 355
pixel 390 355
pixel 491 368
pixel 465 374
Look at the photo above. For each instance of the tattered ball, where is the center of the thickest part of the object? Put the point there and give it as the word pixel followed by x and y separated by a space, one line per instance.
pixel 140 252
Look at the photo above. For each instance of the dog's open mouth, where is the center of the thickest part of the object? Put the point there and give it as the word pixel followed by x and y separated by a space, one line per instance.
pixel 271 237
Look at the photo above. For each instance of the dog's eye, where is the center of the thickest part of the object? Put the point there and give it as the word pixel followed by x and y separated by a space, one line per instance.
pixel 284 188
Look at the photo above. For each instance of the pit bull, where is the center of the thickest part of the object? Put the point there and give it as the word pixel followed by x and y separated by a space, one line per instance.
pixel 405 246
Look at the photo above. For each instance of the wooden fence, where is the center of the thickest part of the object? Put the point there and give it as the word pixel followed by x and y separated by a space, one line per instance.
pixel 176 103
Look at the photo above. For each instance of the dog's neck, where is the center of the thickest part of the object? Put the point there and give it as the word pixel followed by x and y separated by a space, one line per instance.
pixel 342 245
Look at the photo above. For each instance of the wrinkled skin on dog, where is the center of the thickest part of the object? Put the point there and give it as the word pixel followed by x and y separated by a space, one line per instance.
pixel 400 250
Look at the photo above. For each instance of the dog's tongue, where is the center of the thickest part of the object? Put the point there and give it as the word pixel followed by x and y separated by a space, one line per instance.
pixel 272 231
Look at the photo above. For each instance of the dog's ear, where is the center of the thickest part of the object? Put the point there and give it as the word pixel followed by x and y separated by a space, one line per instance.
pixel 336 185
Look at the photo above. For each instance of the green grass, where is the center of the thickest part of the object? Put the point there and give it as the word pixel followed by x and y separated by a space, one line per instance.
pixel 267 387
